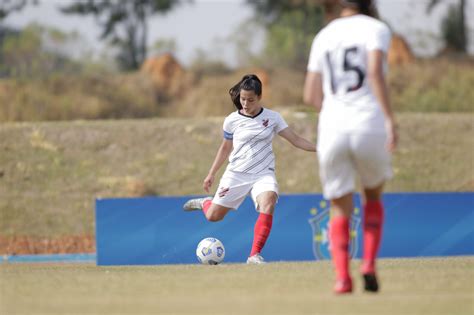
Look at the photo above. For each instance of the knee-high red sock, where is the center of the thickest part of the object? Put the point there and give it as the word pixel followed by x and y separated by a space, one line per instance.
pixel 262 229
pixel 373 222
pixel 339 238
pixel 205 206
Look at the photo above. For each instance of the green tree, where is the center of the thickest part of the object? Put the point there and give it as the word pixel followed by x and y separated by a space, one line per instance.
pixel 164 45
pixel 9 6
pixel 453 25
pixel 24 54
pixel 291 27
pixel 123 23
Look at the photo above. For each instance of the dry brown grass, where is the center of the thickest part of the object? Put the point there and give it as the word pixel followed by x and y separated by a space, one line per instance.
pixel 435 85
pixel 66 97
pixel 51 173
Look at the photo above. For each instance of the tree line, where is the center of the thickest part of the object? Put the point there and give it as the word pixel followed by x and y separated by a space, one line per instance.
pixel 290 25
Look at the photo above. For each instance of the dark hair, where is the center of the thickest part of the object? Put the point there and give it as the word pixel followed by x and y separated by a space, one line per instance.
pixel 249 82
pixel 364 6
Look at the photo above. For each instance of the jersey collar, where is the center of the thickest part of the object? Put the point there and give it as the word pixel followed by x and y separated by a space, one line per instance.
pixel 261 110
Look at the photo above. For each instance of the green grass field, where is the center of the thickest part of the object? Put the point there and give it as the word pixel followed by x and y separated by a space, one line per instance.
pixel 408 286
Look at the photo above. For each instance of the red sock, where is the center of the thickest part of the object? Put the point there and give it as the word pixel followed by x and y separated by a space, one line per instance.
pixel 373 221
pixel 262 229
pixel 206 205
pixel 339 238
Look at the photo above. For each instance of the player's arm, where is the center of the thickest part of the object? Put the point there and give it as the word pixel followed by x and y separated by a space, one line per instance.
pixel 296 140
pixel 313 90
pixel 376 80
pixel 221 156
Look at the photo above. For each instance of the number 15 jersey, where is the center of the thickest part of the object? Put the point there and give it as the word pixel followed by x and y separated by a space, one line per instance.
pixel 340 53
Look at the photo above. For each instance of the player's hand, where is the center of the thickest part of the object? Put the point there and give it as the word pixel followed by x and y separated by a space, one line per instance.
pixel 392 136
pixel 208 181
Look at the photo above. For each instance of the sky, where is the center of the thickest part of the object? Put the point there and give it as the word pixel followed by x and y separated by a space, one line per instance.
pixel 209 25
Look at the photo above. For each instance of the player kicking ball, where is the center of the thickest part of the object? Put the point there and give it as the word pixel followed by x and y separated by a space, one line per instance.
pixel 247 145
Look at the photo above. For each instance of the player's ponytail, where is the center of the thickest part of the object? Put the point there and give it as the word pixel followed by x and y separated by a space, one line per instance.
pixel 249 82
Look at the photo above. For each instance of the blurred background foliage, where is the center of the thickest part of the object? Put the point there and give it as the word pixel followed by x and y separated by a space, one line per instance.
pixel 42 77
pixel 290 27
pixel 454 30
pixel 35 53
pixel 124 24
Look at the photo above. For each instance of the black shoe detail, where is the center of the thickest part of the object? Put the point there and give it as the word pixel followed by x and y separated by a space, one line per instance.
pixel 370 282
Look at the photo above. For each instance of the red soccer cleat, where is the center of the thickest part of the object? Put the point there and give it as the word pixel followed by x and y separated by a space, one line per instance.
pixel 343 286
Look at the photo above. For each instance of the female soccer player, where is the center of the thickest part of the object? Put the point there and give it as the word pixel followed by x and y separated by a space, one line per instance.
pixel 247 143
pixel 357 131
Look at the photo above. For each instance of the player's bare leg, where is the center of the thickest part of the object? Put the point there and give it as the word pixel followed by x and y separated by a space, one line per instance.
pixel 216 212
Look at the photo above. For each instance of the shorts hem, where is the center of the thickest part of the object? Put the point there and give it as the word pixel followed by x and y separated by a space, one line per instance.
pixel 222 205
pixel 338 195
pixel 381 181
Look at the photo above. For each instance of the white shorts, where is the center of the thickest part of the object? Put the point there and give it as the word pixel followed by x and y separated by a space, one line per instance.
pixel 235 186
pixel 343 155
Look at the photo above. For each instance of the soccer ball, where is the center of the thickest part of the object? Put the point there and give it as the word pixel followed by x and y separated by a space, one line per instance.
pixel 210 251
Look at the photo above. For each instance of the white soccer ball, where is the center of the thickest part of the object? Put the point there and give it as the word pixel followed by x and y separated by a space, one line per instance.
pixel 210 251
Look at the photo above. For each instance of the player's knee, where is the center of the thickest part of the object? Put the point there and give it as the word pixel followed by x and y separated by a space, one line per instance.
pixel 373 194
pixel 267 207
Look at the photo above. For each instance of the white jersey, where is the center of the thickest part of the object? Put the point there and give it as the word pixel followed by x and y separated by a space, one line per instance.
pixel 252 140
pixel 340 53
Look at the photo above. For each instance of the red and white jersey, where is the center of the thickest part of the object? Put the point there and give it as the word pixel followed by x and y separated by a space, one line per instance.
pixel 252 140
pixel 340 53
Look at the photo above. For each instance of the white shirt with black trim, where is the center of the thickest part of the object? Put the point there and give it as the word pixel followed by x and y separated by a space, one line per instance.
pixel 340 53
pixel 252 140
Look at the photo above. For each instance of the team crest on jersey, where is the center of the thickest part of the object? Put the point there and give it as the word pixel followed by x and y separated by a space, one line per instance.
pixel 320 225
pixel 223 191
pixel 265 122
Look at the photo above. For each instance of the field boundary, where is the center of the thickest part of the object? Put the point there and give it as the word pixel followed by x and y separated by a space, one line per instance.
pixel 52 258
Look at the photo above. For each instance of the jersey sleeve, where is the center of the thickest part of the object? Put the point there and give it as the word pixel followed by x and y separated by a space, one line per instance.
pixel 228 129
pixel 380 39
pixel 314 61
pixel 280 123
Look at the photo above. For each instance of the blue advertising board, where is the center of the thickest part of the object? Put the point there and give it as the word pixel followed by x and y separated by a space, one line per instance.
pixel 155 230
